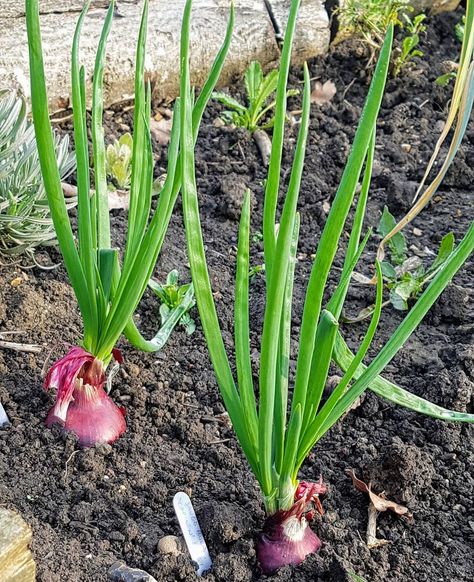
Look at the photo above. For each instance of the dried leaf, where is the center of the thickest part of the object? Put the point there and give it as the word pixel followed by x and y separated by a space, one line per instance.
pixel 264 145
pixel 160 128
pixel 119 199
pixel 379 501
pixel 323 92
pixel 372 540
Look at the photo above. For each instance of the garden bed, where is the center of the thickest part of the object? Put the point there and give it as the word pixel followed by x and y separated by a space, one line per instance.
pixel 89 508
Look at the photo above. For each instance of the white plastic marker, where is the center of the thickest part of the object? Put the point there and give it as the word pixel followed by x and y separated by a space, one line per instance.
pixel 192 532
pixel 3 416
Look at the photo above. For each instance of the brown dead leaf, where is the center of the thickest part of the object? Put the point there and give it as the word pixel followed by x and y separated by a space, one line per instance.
pixel 379 501
pixel 323 92
pixel 160 126
pixel 119 199
pixel 264 145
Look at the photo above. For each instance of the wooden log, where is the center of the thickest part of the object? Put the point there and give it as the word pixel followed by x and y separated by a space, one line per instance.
pixel 254 39
pixel 16 560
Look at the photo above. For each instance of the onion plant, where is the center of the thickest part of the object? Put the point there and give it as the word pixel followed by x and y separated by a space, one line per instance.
pixel 108 291
pixel 277 428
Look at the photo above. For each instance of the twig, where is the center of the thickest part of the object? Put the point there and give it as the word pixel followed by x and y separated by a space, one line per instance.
pixel 28 348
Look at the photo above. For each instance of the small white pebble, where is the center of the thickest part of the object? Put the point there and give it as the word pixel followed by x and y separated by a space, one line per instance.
pixel 406 147
pixel 169 545
pixel 417 232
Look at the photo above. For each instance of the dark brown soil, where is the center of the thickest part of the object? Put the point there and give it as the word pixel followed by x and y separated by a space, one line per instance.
pixel 89 508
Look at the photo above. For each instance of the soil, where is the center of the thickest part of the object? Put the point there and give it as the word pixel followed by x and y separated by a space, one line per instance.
pixel 89 508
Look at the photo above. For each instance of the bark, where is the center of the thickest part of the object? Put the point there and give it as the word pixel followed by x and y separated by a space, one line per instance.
pixel 254 38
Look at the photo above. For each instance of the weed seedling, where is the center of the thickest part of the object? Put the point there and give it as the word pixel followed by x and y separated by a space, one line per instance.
pixel 176 301
pixel 118 159
pixel 260 90
pixel 413 29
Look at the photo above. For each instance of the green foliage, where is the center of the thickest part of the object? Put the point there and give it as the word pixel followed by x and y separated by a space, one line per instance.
pixel 368 20
pixel 25 221
pixel 260 89
pixel 172 295
pixel 445 79
pixel 404 277
pixel 460 29
pixel 274 441
pixel 413 29
pixel 107 291
pixel 119 162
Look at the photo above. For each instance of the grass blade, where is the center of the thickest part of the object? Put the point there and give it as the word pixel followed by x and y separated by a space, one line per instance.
pixel 317 426
pixel 403 332
pixel 353 247
pixel 273 180
pixel 322 356
pixel 281 389
pixel 85 231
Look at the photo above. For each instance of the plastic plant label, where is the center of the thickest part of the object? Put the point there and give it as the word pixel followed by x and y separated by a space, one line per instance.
pixel 3 416
pixel 192 532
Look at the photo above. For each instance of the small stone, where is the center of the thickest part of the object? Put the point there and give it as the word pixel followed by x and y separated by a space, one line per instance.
pixel 103 449
pixel 169 545
pixel 133 370
pixel 120 572
pixel 218 122
pixel 406 147
pixel 116 536
pixel 417 232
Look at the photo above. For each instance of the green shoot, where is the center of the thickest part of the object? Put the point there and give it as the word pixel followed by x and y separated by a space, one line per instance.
pixel 413 29
pixel 173 298
pixel 119 162
pixel 460 29
pixel 260 89
pixel 108 291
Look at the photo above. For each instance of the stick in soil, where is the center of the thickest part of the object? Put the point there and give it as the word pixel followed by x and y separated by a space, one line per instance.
pixel 372 541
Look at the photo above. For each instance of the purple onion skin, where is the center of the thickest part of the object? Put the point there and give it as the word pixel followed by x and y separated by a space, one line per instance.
pixel 286 543
pixel 94 419
pixel 280 550
pixel 82 406
pixel 287 538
